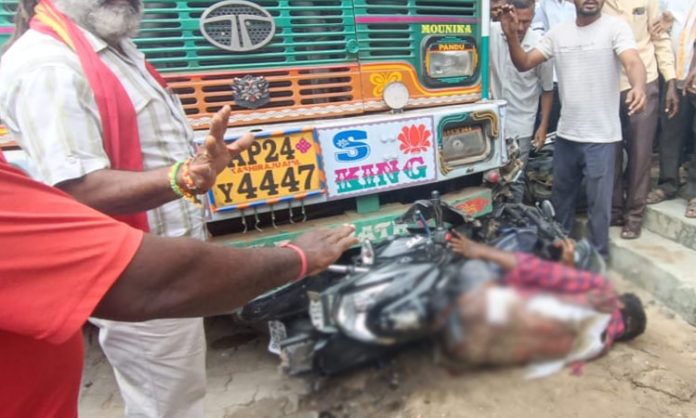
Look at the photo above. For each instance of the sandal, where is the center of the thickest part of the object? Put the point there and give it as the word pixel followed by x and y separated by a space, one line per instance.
pixel 616 221
pixel 656 196
pixel 631 231
pixel 691 208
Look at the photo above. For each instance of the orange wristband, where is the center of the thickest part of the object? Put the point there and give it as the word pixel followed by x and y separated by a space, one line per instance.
pixel 303 259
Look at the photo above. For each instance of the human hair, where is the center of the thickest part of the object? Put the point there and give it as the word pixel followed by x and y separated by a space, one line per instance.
pixel 24 14
pixel 633 315
pixel 522 4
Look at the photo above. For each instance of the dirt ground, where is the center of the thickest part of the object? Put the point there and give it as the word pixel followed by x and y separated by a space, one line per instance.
pixel 653 376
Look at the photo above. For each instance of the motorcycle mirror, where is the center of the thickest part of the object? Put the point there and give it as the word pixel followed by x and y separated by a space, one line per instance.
pixel 548 209
pixel 367 253
pixel 437 208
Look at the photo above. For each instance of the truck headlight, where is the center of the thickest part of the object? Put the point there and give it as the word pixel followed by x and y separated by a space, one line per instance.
pixel 462 145
pixel 446 64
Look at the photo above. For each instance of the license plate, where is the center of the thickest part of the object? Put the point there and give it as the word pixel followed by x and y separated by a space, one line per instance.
pixel 274 169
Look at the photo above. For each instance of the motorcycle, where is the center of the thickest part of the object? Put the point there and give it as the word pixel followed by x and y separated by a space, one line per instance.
pixel 382 298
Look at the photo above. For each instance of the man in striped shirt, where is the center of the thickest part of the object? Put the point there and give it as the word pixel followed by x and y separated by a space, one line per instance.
pixel 49 104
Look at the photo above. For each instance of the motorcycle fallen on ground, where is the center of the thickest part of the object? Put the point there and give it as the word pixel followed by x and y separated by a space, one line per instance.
pixel 383 297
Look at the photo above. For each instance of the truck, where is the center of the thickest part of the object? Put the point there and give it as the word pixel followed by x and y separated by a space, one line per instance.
pixel 359 107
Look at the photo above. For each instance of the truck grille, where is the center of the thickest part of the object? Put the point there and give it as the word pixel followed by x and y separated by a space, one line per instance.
pixel 380 41
pixel 418 7
pixel 295 94
pixel 310 71
pixel 307 33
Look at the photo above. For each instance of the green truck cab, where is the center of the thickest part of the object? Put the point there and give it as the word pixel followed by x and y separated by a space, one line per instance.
pixel 358 106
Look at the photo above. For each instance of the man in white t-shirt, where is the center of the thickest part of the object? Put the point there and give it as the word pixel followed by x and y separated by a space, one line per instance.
pixel 588 53
pixel 521 90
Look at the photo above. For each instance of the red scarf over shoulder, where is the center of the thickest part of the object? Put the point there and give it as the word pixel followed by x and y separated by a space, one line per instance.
pixel 119 122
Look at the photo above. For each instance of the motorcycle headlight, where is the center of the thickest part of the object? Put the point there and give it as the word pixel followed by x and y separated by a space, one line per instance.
pixel 446 64
pixel 352 310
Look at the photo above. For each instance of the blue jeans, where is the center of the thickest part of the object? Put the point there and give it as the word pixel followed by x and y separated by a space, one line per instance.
pixel 595 162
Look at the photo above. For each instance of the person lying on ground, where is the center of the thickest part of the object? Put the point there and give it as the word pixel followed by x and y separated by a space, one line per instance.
pixel 539 312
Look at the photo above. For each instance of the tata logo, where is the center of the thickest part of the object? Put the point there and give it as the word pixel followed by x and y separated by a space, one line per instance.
pixel 237 25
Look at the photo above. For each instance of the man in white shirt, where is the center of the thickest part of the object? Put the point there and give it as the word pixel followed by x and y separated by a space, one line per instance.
pixel 521 90
pixel 53 110
pixel 676 131
pixel 552 12
pixel 588 53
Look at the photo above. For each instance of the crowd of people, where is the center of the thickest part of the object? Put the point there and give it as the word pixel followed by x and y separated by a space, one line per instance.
pixel 621 69
pixel 104 130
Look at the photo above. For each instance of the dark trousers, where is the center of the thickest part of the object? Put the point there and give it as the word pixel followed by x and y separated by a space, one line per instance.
pixel 595 162
pixel 555 112
pixel 632 185
pixel 676 133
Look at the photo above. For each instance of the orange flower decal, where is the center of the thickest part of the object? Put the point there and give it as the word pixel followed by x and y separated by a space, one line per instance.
pixel 414 139
pixel 380 80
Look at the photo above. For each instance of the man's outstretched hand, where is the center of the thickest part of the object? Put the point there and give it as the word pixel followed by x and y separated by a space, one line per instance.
pixel 214 155
pixel 464 246
pixel 324 246
pixel 474 250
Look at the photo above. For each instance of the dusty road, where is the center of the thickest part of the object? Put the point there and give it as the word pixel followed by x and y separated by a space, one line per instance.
pixel 654 376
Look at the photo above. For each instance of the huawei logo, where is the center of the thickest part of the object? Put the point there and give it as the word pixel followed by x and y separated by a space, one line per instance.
pixel 237 25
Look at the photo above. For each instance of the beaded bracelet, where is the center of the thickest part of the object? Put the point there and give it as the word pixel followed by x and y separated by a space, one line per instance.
pixel 187 192
pixel 186 177
pixel 303 259
pixel 173 171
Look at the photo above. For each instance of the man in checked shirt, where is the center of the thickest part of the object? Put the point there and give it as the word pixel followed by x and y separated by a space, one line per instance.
pixel 543 313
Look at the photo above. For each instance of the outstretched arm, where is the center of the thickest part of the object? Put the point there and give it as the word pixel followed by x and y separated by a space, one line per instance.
pixel 50 108
pixel 186 278
pixel 65 141
pixel 531 272
pixel 121 192
pixel 474 250
pixel 68 261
